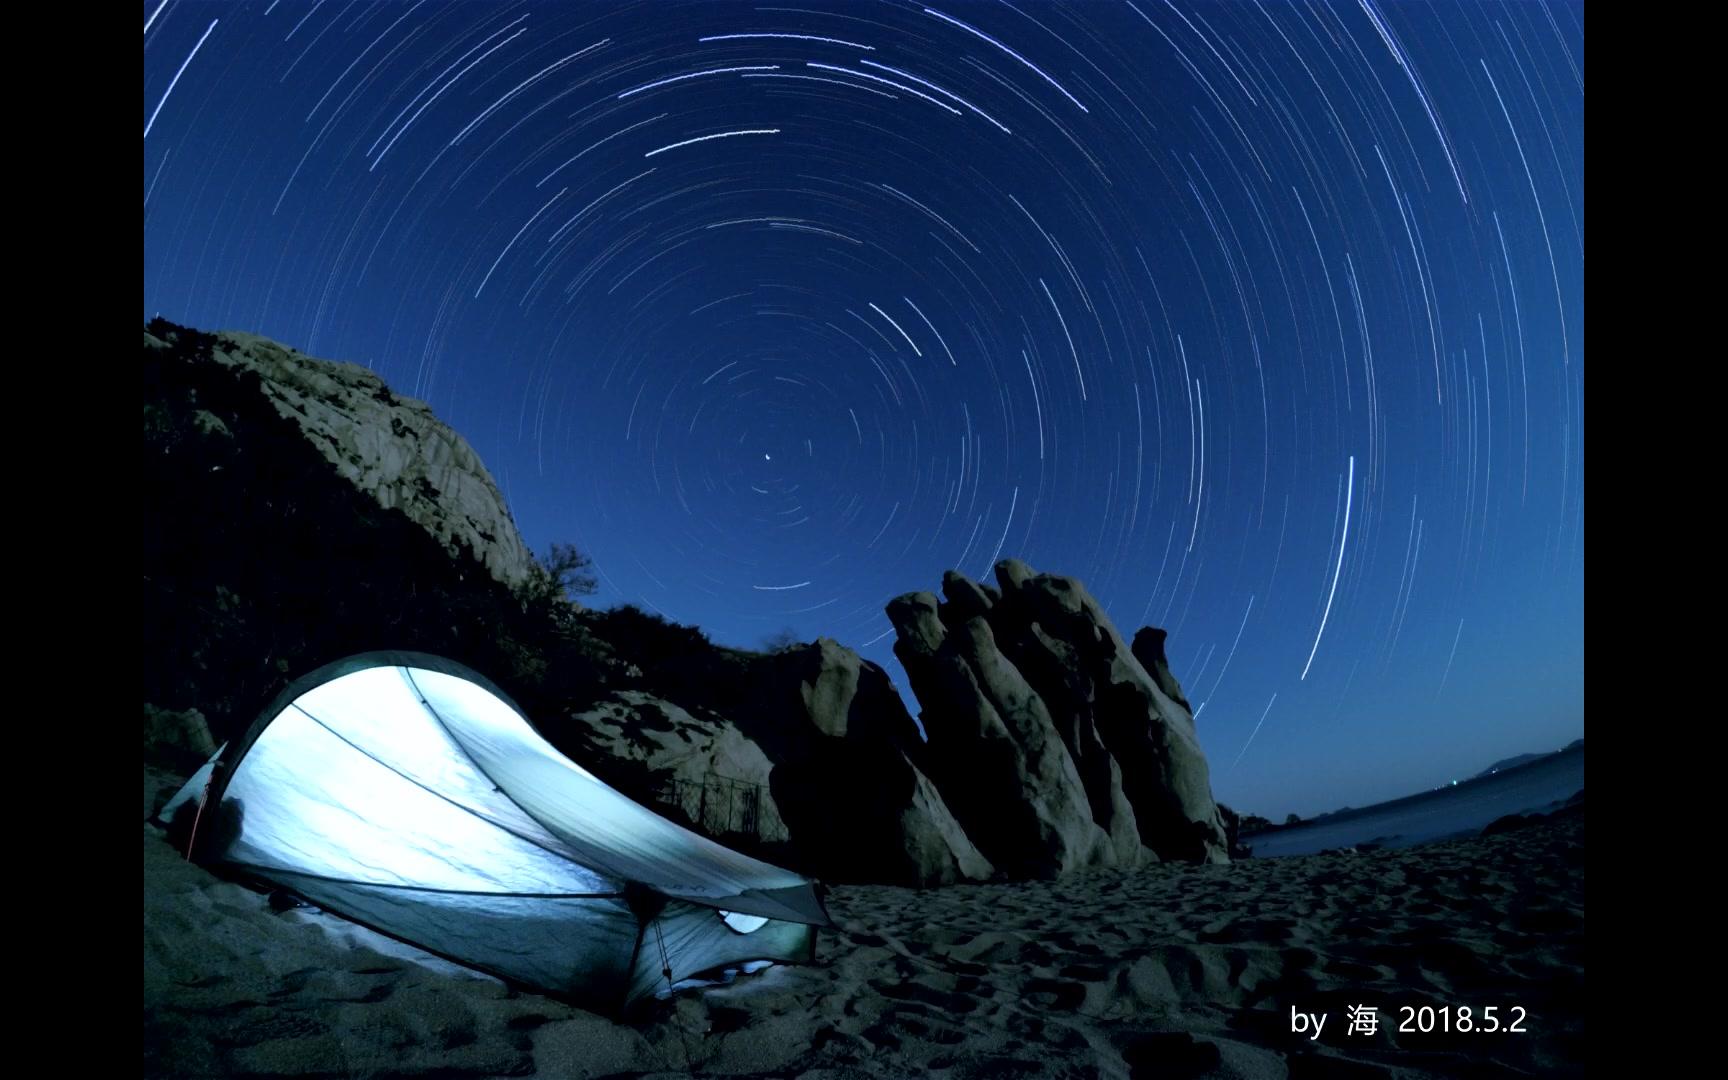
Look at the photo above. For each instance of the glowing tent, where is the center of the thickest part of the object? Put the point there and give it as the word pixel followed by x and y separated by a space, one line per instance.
pixel 408 794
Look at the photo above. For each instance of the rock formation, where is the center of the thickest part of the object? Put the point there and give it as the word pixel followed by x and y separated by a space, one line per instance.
pixel 180 739
pixel 392 448
pixel 1055 744
pixel 815 738
pixel 847 779
pixel 696 765
pixel 994 751
pixel 1051 745
pixel 638 733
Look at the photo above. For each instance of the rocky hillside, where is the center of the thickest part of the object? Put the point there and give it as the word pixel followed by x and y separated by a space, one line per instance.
pixel 298 511
pixel 263 559
pixel 389 447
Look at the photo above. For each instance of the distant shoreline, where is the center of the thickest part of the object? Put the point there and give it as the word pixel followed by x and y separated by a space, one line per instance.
pixel 1353 812
pixel 1452 812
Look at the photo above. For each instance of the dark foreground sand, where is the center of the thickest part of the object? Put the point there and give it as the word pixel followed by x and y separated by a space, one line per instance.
pixel 1168 972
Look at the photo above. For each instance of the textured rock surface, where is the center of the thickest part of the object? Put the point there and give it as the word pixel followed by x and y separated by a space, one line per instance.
pixel 1034 625
pixel 667 742
pixel 1050 739
pixel 1149 733
pixel 847 782
pixel 862 813
pixel 813 737
pixel 180 738
pixel 392 448
pixel 994 752
pixel 700 767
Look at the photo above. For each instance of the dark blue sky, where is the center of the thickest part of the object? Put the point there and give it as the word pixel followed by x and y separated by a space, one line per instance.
pixel 1265 320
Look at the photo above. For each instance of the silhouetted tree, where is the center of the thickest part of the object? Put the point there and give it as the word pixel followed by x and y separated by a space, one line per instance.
pixel 568 573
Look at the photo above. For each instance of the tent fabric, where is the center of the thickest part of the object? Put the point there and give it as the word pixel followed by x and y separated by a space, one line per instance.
pixel 408 793
pixel 193 789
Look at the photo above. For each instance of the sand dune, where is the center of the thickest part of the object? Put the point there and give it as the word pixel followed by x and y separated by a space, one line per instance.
pixel 1167 972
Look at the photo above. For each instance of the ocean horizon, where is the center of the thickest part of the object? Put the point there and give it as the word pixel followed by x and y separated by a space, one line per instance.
pixel 1457 810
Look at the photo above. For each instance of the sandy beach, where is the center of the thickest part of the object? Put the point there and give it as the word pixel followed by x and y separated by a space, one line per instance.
pixel 1171 971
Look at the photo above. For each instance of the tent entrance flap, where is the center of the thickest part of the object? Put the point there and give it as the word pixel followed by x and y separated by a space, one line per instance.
pixel 697 940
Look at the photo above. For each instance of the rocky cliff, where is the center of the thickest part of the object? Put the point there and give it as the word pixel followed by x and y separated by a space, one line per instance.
pixel 295 512
pixel 389 447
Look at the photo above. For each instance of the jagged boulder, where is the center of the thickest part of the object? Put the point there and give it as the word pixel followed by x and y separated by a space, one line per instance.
pixel 861 813
pixel 857 806
pixel 994 751
pixel 1148 732
pixel 1050 738
pixel 264 559
pixel 700 767
pixel 1058 669
pixel 1233 826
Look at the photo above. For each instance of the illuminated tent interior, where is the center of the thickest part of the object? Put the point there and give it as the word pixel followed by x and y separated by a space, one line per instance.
pixel 408 794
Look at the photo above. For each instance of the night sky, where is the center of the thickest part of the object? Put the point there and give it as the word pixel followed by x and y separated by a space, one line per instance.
pixel 1264 320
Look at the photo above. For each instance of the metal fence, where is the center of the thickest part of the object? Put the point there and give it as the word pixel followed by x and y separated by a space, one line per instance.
pixel 720 806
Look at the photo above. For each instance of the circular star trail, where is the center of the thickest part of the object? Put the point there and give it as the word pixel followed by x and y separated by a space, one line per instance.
pixel 1263 320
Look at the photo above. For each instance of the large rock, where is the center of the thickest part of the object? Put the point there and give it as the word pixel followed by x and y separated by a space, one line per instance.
pixel 179 739
pixel 857 806
pixel 862 813
pixel 994 751
pixel 1057 669
pixel 296 511
pixel 392 448
pixel 1050 739
pixel 1148 731
pixel 633 728
pixel 702 767
pixel 812 733
pixel 1233 833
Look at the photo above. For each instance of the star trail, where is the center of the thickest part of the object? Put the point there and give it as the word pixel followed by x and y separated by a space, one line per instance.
pixel 1264 320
